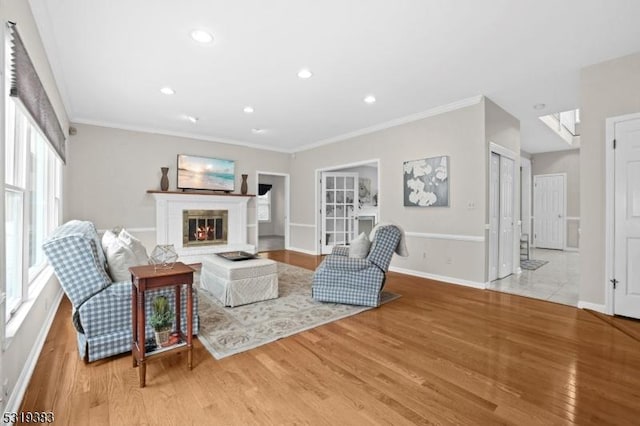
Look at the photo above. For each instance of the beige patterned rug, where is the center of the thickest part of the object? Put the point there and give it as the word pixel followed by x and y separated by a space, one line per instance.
pixel 228 331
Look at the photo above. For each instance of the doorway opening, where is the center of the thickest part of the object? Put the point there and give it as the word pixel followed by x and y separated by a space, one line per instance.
pixel 347 198
pixel 549 232
pixel 272 211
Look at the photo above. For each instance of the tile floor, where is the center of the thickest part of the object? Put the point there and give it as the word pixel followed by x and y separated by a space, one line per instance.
pixel 557 281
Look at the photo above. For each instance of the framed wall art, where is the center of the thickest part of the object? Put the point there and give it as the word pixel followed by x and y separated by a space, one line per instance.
pixel 426 182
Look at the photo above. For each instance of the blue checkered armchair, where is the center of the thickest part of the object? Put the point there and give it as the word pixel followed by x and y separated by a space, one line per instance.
pixel 342 279
pixel 101 308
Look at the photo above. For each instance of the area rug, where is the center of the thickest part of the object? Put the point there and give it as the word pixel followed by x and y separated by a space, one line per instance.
pixel 228 331
pixel 532 264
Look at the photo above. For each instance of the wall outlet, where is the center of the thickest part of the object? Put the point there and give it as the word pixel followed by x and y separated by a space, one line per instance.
pixel 449 260
pixel 471 205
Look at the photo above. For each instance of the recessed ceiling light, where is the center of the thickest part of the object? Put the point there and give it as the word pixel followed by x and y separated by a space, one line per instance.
pixel 539 106
pixel 257 131
pixel 192 119
pixel 305 73
pixel 167 91
pixel 201 36
pixel 248 109
pixel 370 99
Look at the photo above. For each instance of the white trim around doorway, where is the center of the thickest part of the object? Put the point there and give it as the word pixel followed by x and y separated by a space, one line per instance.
pixel 287 206
pixel 318 190
pixel 506 152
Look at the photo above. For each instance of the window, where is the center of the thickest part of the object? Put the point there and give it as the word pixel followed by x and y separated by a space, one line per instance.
pixel 32 191
pixel 264 207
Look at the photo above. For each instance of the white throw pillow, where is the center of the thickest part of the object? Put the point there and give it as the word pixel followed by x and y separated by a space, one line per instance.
pixel 359 247
pixel 136 246
pixel 107 238
pixel 120 258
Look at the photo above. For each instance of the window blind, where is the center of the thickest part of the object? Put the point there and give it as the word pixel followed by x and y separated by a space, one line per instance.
pixel 26 86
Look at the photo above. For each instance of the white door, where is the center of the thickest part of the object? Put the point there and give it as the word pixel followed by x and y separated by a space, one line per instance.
pixel 339 209
pixel 506 217
pixel 627 219
pixel 548 211
pixel 494 215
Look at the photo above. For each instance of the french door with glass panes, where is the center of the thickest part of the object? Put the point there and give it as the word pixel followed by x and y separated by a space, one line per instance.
pixel 339 209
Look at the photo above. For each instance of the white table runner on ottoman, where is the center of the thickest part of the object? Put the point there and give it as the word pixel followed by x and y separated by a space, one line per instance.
pixel 237 283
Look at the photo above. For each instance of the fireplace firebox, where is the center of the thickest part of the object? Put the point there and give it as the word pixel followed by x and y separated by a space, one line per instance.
pixel 204 227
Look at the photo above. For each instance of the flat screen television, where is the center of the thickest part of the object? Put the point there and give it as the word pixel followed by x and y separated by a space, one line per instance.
pixel 213 174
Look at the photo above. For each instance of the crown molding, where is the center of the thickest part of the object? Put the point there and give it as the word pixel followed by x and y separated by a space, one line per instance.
pixel 197 136
pixel 463 103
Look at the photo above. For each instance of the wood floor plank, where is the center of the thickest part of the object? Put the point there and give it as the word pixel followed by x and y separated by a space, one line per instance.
pixel 440 354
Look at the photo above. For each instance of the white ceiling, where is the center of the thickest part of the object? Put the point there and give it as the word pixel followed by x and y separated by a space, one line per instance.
pixel 111 57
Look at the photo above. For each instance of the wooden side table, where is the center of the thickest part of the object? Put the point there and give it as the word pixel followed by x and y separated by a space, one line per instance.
pixel 145 278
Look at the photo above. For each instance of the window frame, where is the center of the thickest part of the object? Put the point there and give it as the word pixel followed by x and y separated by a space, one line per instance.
pixel 28 145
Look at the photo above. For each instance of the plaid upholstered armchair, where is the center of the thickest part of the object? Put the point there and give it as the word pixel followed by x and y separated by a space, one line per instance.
pixel 101 308
pixel 353 281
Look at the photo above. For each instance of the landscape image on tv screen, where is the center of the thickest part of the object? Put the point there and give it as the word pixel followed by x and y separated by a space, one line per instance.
pixel 205 173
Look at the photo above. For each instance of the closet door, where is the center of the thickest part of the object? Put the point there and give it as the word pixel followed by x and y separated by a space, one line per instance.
pixel 627 219
pixel 494 215
pixel 506 216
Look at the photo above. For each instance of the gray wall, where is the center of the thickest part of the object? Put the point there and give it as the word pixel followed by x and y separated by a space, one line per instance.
pixel 110 171
pixel 35 315
pixel 607 90
pixel 276 226
pixel 458 134
pixel 563 162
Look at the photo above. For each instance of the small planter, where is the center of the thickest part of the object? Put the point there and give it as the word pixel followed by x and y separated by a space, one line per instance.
pixel 162 337
pixel 161 320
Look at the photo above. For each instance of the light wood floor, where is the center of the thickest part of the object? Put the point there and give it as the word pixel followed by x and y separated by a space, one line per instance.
pixel 441 354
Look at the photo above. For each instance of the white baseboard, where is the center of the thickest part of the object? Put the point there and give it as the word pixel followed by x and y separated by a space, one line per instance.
pixel 593 306
pixel 576 249
pixel 311 252
pixel 450 280
pixel 15 399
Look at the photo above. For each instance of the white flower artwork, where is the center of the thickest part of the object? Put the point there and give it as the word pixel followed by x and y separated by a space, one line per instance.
pixel 426 182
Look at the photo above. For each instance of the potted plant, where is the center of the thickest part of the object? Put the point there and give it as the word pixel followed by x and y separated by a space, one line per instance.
pixel 161 320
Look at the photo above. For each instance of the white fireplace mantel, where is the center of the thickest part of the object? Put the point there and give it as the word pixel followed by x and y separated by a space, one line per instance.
pixel 169 208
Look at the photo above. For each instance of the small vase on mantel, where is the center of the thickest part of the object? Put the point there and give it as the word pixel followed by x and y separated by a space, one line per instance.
pixel 164 180
pixel 244 187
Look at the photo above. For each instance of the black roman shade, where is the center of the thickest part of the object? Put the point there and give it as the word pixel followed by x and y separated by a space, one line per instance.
pixel 263 188
pixel 27 87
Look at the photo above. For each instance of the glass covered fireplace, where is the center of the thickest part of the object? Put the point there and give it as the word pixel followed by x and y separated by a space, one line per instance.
pixel 204 227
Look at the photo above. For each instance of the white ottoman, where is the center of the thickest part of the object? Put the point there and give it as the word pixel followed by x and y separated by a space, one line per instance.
pixel 240 282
